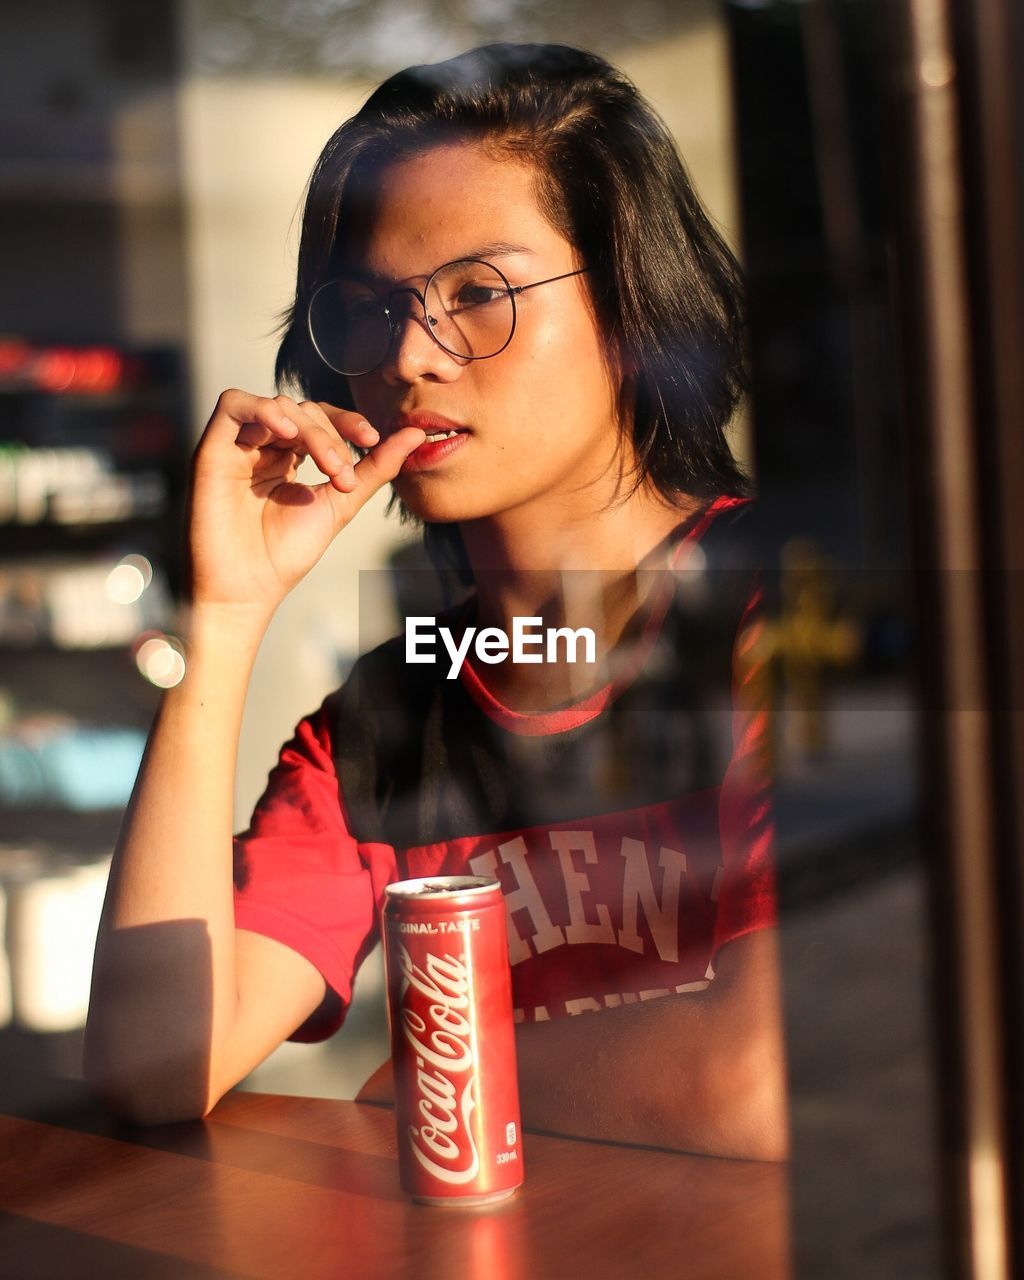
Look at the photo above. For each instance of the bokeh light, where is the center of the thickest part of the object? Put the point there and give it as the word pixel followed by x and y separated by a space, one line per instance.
pixel 161 660
pixel 128 579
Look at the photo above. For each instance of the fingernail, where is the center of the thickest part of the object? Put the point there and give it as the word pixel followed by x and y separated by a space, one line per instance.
pixel 367 429
pixel 333 458
pixel 348 474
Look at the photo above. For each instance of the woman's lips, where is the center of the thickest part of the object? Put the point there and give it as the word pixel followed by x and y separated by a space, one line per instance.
pixel 431 452
pixel 431 423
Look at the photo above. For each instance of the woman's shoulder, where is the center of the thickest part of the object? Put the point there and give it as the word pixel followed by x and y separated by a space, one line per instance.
pixel 716 532
pixel 727 531
pixel 719 564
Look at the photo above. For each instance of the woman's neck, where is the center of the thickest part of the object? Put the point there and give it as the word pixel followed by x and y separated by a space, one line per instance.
pixel 568 573
pixel 521 563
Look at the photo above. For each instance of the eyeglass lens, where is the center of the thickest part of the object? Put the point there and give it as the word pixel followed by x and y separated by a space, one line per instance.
pixel 469 309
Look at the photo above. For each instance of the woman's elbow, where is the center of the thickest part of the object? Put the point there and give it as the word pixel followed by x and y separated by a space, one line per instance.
pixel 767 1137
pixel 146 1093
pixel 757 1104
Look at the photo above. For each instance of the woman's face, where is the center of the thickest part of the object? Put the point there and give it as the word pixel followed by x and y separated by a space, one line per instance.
pixel 538 423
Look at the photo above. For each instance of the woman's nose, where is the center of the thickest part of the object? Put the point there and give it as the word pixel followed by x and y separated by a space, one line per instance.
pixel 415 354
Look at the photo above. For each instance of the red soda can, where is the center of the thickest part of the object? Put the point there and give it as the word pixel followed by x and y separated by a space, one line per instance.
pixel 453 1044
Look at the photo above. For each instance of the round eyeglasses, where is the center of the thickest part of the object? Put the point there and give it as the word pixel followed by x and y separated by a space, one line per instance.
pixel 469 309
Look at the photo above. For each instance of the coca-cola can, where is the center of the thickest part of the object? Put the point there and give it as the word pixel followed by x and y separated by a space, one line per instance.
pixel 452 1040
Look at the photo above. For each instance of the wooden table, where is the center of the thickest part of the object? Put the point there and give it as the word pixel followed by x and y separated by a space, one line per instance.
pixel 305 1187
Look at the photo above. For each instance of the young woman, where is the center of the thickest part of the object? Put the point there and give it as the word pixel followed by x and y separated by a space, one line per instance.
pixel 512 308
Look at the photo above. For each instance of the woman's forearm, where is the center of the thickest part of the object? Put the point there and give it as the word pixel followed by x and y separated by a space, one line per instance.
pixel 702 1072
pixel 164 984
pixel 645 1075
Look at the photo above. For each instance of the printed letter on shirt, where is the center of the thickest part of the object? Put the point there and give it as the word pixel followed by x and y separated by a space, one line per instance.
pixel 638 889
pixel 579 929
pixel 543 934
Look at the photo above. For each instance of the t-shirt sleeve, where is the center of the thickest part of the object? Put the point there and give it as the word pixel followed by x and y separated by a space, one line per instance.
pixel 747 895
pixel 300 876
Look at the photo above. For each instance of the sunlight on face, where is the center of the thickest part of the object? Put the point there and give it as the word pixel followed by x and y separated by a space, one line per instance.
pixel 539 426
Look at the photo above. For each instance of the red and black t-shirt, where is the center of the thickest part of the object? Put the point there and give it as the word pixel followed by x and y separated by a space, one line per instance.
pixel 630 831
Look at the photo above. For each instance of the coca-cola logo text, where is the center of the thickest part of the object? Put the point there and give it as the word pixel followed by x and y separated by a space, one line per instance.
pixel 441 1044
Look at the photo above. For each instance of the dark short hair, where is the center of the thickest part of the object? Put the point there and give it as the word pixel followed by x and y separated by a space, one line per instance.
pixel 666 289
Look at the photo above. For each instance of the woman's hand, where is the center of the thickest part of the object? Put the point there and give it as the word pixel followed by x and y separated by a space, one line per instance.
pixel 253 531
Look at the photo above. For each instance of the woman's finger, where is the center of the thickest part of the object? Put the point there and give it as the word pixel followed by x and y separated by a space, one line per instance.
pixel 354 428
pixel 384 461
pixel 349 429
pixel 324 442
pixel 256 435
pixel 372 472
pixel 240 416
pixel 348 425
pixel 236 409
pixel 322 432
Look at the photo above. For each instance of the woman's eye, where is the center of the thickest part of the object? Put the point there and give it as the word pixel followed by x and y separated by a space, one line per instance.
pixel 357 309
pixel 478 295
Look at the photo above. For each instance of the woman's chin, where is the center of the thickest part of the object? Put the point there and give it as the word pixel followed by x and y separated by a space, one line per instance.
pixel 433 507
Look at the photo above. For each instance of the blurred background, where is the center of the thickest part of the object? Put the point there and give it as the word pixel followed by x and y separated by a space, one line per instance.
pixel 865 161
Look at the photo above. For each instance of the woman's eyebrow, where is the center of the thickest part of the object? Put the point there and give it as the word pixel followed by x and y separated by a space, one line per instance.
pixel 498 249
pixel 495 249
